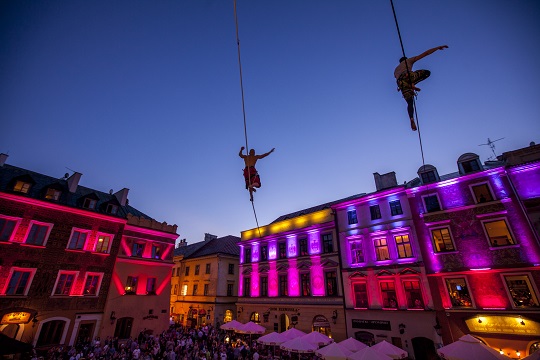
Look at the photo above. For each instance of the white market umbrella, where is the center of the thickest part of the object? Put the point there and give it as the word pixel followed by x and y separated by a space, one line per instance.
pixel 299 345
pixel 368 353
pixel 272 339
pixel 317 338
pixel 390 350
pixel 231 325
pixel 334 351
pixel 352 344
pixel 469 347
pixel 251 328
pixel 293 333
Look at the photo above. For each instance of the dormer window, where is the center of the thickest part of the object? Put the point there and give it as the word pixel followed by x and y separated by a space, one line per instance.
pixel 89 203
pixel 52 194
pixel 428 174
pixel 469 163
pixel 22 186
pixel 111 209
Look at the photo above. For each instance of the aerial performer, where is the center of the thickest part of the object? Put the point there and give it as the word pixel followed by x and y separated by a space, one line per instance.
pixel 407 79
pixel 251 176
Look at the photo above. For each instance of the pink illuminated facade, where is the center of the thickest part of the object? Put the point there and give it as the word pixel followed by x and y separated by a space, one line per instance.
pixel 68 261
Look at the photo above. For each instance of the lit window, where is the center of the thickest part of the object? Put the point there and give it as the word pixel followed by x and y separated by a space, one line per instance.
pixel 458 292
pixel 89 203
pixel 395 208
pixel 228 316
pixel 207 271
pixel 521 291
pixel 360 295
pixel 303 246
pixel 482 193
pixel 38 234
pixel 195 289
pixel 255 317
pixel 231 269
pixel 381 249
pixel 205 290
pixel 102 245
pixel 247 286
pixel 197 269
pixel 432 203
pixel 19 281
pixel 156 251
pixel 151 286
pixel 64 283
pixel 52 194
pixel 388 292
pixel 498 233
pixel 111 209
pixel 357 252
pixel 263 285
pixel 375 211
pixel 22 186
pixel 403 245
pixel 413 294
pixel 283 288
pixel 328 243
pixel 77 240
pixel 7 228
pixel 131 285
pixel 184 290
pixel 137 249
pixel 351 217
pixel 91 284
pixel 331 284
pixel 442 240
pixel 306 285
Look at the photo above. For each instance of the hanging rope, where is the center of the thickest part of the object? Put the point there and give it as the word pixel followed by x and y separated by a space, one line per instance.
pixel 410 81
pixel 244 114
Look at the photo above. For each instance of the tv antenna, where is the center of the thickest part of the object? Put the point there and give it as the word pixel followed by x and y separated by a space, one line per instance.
pixel 491 144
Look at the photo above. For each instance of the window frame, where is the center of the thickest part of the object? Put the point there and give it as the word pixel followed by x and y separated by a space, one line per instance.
pixel 426 176
pixel 183 290
pixel 531 285
pixel 375 212
pixel 230 289
pixel 411 306
pixel 335 287
pixel 403 244
pixel 395 207
pixel 327 243
pixel 98 286
pixel 430 196
pixel 151 290
pixel 246 288
pixel 377 247
pixel 24 188
pixel 7 219
pixel 206 289
pixel 303 246
pixel 263 253
pixel 352 217
pixel 75 275
pixel 186 271
pixel 263 286
pixel 231 269
pixel 197 269
pixel 305 284
pixel 208 269
pixel 108 249
pixel 355 292
pixel 469 293
pixel 433 243
pixel 359 245
pixel 489 189
pixel 283 285
pixel 510 232
pixel 53 194
pixel 89 203
pixel 32 273
pixel 87 232
pixel 247 255
pixel 38 223
pixel 282 250
pixel 382 292
pixel 133 289
pixel 195 290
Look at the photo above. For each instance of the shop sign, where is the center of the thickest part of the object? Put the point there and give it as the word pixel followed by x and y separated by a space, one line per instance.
pixel 371 324
pixel 320 321
pixel 16 318
pixel 503 325
pixel 283 309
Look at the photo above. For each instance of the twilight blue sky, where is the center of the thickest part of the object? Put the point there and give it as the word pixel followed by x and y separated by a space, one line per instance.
pixel 146 95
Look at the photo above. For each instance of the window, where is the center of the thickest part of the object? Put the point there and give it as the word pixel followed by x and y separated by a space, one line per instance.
pixel 263 285
pixel 381 249
pixel 64 283
pixel 459 292
pixel 131 285
pixel 428 177
pixel 470 166
pixel 306 286
pixel 395 208
pixel 498 233
pixel 207 271
pixel 282 250
pixel 357 252
pixel 482 193
pixel 247 255
pixel 195 289
pixel 77 240
pixel 38 234
pixel 19 282
pixel 328 243
pixel 52 194
pixel 123 328
pixel 360 296
pixel 375 211
pixel 102 245
pixel 228 316
pixel 283 288
pixel 403 245
pixel 388 292
pixel 351 217
pixel 264 252
pixel 331 283
pixel 187 271
pixel 247 286
pixel 432 203
pixel 230 289
pixel 231 269
pixel 111 209
pixel 51 333
pixel 205 290
pixel 197 269
pixel 255 317
pixel 442 240
pixel 91 284
pixel 156 252
pixel 521 291
pixel 184 290
pixel 303 245
pixel 151 286
pixel 7 228
pixel 22 186
pixel 175 289
pixel 89 203
pixel 137 249
pixel 413 294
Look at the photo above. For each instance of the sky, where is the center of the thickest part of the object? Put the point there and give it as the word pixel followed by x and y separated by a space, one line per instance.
pixel 146 95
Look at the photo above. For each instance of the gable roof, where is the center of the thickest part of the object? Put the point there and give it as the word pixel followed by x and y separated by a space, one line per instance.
pixel 224 245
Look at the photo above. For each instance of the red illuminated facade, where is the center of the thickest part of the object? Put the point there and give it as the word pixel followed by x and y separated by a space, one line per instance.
pixel 65 264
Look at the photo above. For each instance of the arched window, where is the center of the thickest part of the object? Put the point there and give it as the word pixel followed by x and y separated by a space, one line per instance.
pixel 123 327
pixel 228 316
pixel 534 347
pixel 51 333
pixel 255 317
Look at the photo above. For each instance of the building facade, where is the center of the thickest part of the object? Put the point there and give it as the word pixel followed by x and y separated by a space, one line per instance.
pixel 59 243
pixel 204 282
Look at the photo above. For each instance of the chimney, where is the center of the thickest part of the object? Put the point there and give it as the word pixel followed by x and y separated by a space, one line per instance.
pixel 385 181
pixel 3 158
pixel 122 196
pixel 182 243
pixel 208 237
pixel 73 181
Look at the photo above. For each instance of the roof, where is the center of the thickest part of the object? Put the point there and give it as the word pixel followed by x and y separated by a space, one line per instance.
pixel 224 245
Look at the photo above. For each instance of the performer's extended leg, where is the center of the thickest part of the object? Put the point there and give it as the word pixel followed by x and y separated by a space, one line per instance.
pixel 410 110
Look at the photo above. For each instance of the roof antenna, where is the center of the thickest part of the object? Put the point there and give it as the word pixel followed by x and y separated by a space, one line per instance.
pixel 491 144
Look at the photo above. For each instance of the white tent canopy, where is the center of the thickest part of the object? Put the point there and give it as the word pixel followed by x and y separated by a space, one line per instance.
pixel 292 333
pixel 334 351
pixel 368 353
pixel 353 345
pixel 469 347
pixel 251 328
pixel 317 338
pixel 390 350
pixel 231 325
pixel 272 339
pixel 298 345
